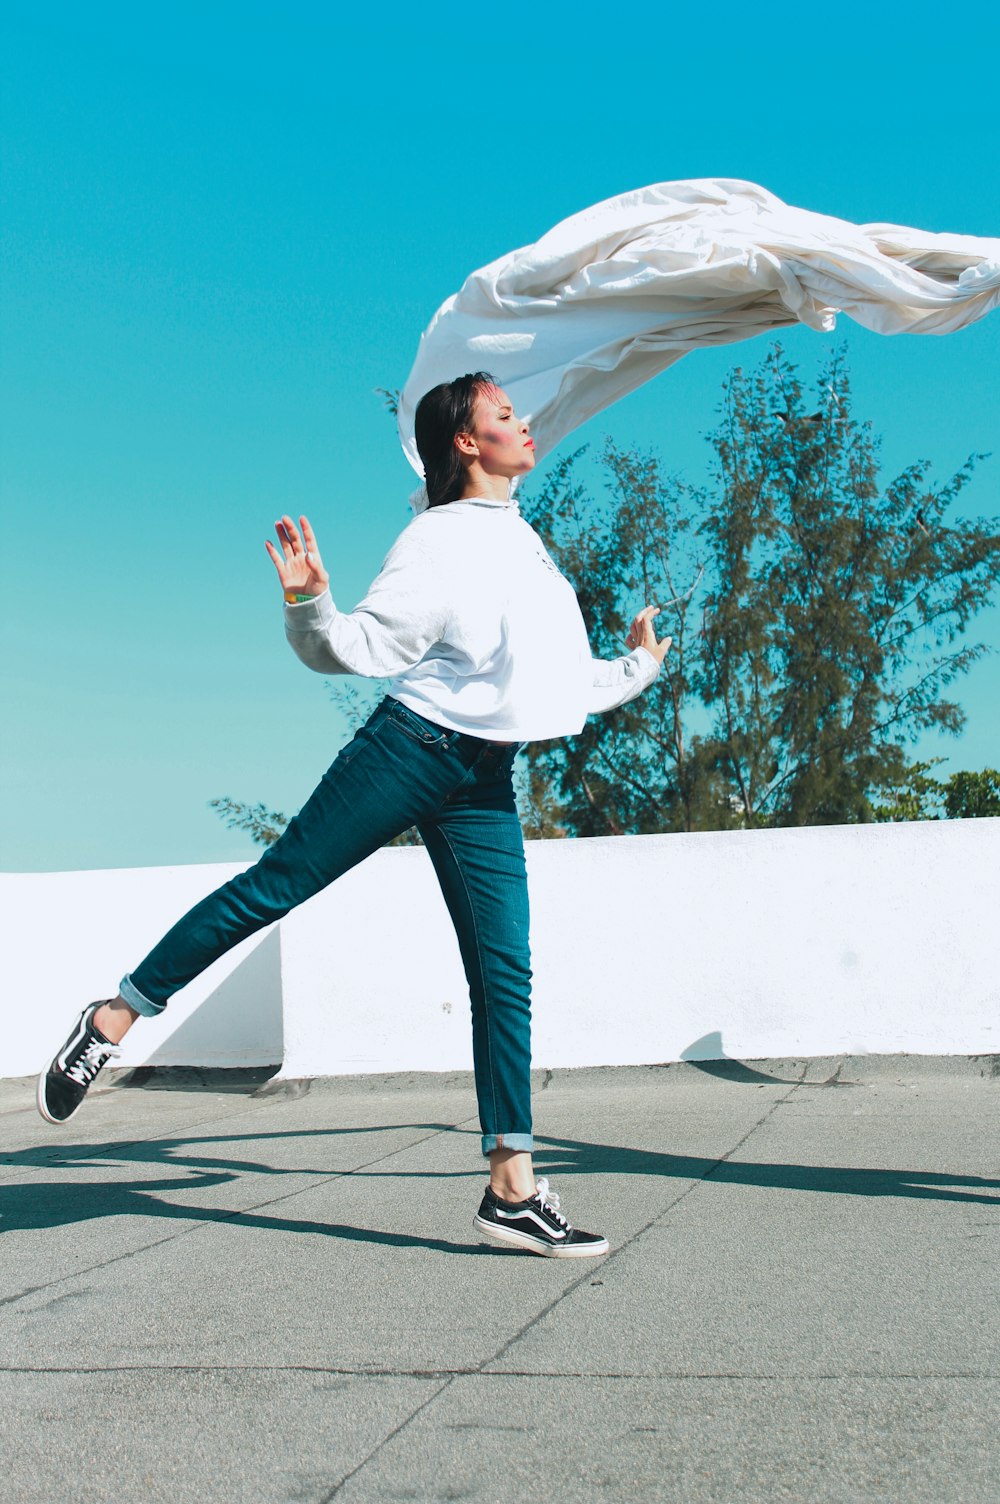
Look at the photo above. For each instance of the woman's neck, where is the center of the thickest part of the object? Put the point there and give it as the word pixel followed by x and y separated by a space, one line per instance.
pixel 493 487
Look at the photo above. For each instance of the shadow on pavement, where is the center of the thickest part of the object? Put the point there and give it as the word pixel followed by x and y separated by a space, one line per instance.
pixel 200 1167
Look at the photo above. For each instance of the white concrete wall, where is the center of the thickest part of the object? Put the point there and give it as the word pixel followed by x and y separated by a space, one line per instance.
pixel 842 939
pixel 67 938
pixel 879 939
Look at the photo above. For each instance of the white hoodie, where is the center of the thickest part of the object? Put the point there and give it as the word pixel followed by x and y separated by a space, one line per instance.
pixel 476 629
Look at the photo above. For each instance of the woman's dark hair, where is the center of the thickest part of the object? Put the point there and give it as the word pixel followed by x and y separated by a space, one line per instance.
pixel 443 412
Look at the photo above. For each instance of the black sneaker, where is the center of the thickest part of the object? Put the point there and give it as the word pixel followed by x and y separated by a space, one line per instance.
pixel 537 1224
pixel 62 1088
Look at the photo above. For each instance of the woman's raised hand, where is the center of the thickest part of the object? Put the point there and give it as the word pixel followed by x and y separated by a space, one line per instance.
pixel 641 634
pixel 300 568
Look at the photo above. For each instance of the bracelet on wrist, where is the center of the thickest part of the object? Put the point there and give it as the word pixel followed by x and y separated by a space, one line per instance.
pixel 294 598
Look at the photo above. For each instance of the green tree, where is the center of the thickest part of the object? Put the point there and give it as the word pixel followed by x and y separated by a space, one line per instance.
pixel 970 796
pixel 819 618
pixel 913 795
pixel 916 795
pixel 261 824
pixel 638 769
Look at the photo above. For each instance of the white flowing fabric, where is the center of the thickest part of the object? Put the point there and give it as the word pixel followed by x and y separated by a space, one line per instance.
pixel 612 296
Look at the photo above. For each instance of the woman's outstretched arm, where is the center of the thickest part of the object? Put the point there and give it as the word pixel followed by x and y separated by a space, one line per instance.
pixel 618 680
pixel 402 615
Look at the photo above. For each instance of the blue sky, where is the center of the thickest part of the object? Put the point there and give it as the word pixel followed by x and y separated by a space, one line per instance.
pixel 224 225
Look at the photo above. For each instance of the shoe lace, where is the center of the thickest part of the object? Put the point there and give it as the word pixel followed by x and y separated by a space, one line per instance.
pixel 92 1058
pixel 549 1200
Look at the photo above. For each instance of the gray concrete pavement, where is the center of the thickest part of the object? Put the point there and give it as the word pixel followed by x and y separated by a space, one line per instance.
pixel 215 1289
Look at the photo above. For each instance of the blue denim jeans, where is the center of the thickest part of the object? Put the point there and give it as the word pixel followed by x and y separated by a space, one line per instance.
pixel 399 770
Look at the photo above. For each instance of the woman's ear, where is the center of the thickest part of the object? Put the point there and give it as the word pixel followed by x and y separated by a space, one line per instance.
pixel 466 444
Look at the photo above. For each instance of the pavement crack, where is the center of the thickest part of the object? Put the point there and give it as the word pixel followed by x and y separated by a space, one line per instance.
pixel 617 1252
pixel 447 1375
pixel 391 1436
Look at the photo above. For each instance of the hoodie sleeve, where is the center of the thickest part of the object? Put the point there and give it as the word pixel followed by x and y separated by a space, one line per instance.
pixel 404 613
pixel 618 680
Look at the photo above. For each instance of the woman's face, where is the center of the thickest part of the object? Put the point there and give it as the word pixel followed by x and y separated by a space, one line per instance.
pixel 501 439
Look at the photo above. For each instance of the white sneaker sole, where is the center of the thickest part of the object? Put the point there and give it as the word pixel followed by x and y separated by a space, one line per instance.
pixel 40 1103
pixel 535 1245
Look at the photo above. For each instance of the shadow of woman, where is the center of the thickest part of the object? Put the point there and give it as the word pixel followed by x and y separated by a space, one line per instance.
pixel 56 1204
pixel 37 1205
pixel 62 1203
pixel 575 1157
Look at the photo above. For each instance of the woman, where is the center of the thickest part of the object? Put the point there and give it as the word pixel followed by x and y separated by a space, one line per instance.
pixel 485 648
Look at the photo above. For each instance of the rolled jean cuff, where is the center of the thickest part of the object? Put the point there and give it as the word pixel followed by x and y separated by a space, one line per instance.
pixel 515 1141
pixel 131 995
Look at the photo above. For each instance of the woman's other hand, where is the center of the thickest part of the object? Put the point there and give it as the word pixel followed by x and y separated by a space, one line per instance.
pixel 300 568
pixel 641 634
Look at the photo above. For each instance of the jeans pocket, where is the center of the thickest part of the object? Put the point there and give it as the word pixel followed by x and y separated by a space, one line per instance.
pixel 428 733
